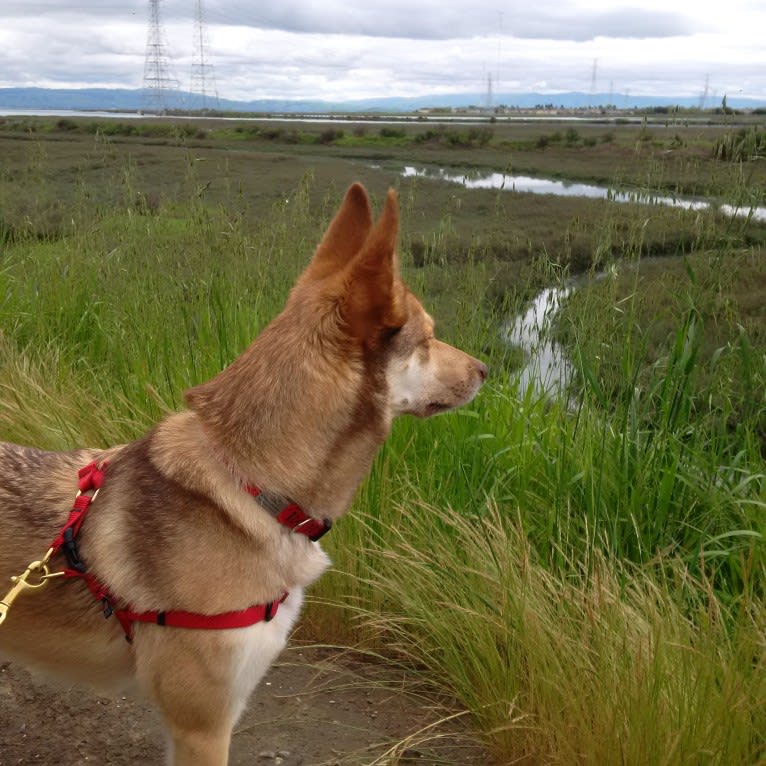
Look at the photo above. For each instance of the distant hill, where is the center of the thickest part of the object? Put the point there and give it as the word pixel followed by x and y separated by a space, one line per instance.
pixel 132 100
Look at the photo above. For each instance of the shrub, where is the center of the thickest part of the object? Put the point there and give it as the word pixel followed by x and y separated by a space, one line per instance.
pixel 329 135
pixel 390 131
pixel 65 124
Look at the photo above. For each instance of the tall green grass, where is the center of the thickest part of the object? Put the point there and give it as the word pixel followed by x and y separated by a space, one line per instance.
pixel 132 308
pixel 591 595
pixel 588 582
pixel 594 662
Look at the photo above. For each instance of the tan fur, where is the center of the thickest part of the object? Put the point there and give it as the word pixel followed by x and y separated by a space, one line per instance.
pixel 301 413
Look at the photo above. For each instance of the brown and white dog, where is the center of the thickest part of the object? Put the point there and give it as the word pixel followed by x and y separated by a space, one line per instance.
pixel 177 526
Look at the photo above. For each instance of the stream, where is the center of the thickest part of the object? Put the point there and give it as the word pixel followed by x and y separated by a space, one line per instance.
pixel 546 370
pixel 514 183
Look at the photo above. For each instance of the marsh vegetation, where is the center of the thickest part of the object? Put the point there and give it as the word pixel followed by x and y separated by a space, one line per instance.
pixel 587 583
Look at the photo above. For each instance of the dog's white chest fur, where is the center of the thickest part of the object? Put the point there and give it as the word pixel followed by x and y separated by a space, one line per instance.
pixel 258 646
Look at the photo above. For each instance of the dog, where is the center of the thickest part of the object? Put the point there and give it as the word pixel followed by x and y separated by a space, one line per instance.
pixel 201 537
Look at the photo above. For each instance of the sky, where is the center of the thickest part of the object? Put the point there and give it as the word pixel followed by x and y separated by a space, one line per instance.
pixel 346 49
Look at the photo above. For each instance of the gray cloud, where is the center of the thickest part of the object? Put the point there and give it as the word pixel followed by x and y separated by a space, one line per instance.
pixel 299 49
pixel 434 20
pixel 627 23
pixel 425 20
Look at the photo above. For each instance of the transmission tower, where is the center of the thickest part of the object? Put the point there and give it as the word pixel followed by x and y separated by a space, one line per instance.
pixel 489 91
pixel 593 78
pixel 159 84
pixel 202 73
pixel 703 97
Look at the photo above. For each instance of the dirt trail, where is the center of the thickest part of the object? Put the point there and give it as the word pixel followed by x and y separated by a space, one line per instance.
pixel 315 708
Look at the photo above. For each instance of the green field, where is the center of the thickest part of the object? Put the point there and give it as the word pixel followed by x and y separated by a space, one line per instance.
pixel 586 579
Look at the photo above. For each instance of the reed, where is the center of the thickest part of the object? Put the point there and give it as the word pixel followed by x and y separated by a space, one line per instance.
pixel 594 662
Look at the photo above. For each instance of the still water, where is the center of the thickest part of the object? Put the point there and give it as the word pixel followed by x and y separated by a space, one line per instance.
pixel 504 182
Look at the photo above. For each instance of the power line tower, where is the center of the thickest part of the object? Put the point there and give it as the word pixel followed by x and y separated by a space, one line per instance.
pixel 705 92
pixel 159 84
pixel 593 78
pixel 488 95
pixel 202 74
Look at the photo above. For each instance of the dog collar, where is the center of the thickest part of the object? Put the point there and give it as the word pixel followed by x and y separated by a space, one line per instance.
pixel 290 514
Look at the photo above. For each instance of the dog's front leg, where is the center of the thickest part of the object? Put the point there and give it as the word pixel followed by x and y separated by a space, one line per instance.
pixel 195 679
pixel 200 680
pixel 198 748
pixel 198 712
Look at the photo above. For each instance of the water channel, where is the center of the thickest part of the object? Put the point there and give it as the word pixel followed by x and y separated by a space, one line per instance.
pixel 547 369
pixel 514 183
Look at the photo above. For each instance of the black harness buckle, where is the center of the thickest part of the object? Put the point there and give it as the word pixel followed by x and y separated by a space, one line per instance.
pixel 71 552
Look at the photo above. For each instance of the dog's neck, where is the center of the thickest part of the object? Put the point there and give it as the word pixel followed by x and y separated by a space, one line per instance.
pixel 301 420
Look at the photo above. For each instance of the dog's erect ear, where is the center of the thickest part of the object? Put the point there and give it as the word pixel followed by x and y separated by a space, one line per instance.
pixel 344 236
pixel 375 297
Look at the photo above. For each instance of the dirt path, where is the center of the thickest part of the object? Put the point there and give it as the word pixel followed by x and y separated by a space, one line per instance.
pixel 315 708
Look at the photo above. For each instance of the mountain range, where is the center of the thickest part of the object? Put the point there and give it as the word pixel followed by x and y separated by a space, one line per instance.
pixel 133 100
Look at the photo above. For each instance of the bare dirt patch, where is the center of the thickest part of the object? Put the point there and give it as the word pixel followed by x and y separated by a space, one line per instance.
pixel 316 707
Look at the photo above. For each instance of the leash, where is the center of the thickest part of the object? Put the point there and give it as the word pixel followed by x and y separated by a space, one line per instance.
pixel 90 480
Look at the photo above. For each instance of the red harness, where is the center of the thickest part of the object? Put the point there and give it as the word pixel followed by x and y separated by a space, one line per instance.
pixel 91 479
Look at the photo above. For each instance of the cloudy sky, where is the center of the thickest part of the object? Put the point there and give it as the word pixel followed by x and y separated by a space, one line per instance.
pixel 347 49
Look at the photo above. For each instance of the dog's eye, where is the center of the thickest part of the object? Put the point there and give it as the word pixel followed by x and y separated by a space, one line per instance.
pixel 391 332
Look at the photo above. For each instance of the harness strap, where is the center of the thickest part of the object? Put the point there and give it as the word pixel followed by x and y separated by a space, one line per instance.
pixel 222 621
pixel 90 480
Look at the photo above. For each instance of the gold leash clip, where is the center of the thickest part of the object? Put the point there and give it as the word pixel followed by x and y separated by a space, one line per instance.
pixel 21 582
